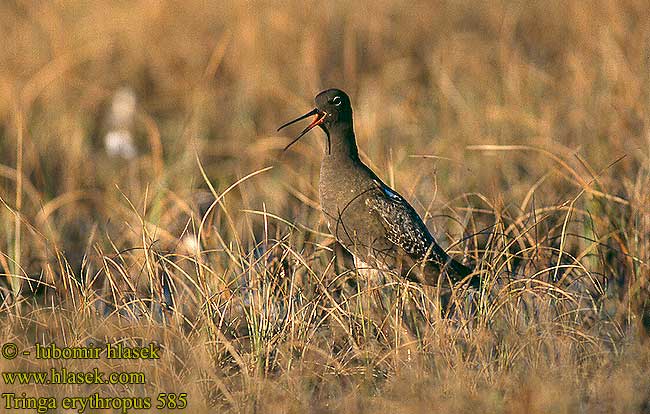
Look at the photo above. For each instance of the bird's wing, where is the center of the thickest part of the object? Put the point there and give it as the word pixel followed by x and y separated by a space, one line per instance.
pixel 403 225
pixel 405 229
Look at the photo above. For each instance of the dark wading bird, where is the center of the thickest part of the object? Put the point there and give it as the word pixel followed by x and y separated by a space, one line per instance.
pixel 372 221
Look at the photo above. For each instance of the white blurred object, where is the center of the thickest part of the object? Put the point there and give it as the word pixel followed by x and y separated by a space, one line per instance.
pixel 118 141
pixel 190 244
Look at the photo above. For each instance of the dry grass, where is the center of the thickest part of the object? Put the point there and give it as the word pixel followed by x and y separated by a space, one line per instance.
pixel 519 130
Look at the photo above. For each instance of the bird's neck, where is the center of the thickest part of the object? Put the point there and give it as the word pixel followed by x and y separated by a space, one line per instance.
pixel 341 145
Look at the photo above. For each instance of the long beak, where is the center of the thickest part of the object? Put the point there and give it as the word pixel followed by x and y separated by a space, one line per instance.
pixel 320 117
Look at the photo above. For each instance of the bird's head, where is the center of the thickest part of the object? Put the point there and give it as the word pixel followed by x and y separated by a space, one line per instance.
pixel 332 108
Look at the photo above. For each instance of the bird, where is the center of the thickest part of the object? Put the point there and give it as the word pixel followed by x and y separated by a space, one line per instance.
pixel 367 217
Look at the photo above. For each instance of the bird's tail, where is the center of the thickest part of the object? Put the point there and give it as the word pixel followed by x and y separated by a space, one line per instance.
pixel 456 271
pixel 462 272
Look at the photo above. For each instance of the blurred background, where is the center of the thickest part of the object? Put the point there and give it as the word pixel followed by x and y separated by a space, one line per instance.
pixel 101 102
pixel 120 121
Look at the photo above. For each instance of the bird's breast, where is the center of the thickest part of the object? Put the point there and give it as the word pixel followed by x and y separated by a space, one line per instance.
pixel 341 192
pixel 344 191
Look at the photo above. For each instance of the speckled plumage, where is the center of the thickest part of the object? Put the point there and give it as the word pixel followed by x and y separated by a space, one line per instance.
pixel 403 226
pixel 371 220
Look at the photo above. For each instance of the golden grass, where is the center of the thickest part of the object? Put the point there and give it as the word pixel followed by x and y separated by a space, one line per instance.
pixel 519 130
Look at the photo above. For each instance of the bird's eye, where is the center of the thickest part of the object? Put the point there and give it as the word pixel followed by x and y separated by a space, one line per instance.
pixel 337 100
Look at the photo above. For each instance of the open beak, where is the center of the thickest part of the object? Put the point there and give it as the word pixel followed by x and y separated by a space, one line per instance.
pixel 320 118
